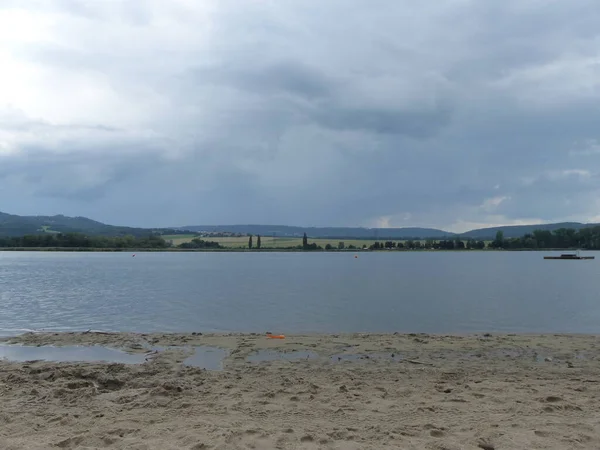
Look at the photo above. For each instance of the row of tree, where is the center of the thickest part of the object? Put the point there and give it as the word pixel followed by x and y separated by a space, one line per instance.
pixel 305 245
pixel 198 243
pixel 77 240
pixel 258 242
pixel 454 244
pixel 563 238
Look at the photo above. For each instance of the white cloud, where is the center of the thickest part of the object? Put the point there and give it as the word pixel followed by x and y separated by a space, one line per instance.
pixel 575 173
pixel 569 79
pixel 492 203
pixel 381 222
pixel 588 147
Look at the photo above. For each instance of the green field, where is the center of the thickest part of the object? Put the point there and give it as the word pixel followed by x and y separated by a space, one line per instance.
pixel 238 242
pixel 273 242
pixel 179 238
pixel 46 229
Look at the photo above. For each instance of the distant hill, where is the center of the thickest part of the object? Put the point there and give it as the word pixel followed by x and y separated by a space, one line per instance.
pixel 381 233
pixel 13 225
pixel 520 230
pixel 325 232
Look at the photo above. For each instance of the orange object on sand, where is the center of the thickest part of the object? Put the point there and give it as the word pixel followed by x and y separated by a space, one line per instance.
pixel 276 336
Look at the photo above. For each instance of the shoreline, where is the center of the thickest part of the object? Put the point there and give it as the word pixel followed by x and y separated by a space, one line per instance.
pixel 275 250
pixel 327 343
pixel 413 391
pixel 554 345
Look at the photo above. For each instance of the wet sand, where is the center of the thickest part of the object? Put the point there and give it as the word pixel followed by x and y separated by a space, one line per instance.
pixel 363 391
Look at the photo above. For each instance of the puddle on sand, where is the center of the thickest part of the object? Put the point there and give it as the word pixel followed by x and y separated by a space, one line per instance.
pixel 73 353
pixel 204 357
pixel 273 355
pixel 209 358
pixel 365 357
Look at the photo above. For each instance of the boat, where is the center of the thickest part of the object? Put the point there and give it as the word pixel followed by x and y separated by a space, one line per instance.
pixel 569 256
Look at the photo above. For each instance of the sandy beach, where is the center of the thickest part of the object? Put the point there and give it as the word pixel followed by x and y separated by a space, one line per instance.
pixel 360 391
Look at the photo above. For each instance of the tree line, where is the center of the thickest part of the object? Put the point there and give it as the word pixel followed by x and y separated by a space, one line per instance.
pixel 430 244
pixel 198 243
pixel 78 240
pixel 564 238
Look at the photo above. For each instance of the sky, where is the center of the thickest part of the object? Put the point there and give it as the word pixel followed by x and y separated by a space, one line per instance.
pixel 454 114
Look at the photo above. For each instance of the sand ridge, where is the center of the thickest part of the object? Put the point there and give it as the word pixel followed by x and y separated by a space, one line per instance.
pixel 394 391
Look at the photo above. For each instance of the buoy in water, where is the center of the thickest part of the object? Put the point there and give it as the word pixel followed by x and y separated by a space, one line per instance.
pixel 356 256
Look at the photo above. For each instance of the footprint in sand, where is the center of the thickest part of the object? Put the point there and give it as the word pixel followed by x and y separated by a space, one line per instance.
pixel 486 446
pixel 72 442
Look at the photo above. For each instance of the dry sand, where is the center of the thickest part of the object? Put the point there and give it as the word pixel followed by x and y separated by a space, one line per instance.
pixel 457 392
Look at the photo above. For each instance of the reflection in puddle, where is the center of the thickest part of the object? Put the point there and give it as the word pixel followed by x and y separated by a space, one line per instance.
pixel 204 357
pixel 209 358
pixel 73 353
pixel 273 355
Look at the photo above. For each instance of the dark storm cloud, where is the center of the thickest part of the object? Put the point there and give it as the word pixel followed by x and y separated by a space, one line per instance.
pixel 72 175
pixel 412 123
pixel 286 82
pixel 339 113
pixel 284 77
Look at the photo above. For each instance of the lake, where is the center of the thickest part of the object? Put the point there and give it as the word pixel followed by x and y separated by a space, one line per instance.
pixel 434 292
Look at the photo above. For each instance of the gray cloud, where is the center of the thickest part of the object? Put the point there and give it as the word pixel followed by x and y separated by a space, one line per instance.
pixel 283 77
pixel 412 123
pixel 340 113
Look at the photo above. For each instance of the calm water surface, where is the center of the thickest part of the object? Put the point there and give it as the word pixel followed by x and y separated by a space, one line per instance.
pixel 439 292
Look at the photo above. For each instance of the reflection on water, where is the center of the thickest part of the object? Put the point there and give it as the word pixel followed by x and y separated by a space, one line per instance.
pixel 203 357
pixel 73 353
pixel 209 358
